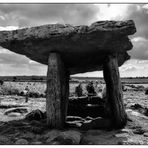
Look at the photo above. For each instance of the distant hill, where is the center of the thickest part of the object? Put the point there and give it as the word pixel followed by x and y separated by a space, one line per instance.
pixel 73 79
pixel 23 78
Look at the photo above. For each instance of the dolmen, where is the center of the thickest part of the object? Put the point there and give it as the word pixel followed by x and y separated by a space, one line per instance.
pixel 67 50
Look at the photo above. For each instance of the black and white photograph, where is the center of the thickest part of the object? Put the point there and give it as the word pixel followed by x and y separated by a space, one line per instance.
pixel 73 73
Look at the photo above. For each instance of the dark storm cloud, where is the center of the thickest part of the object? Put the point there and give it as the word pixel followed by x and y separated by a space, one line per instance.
pixel 38 14
pixel 139 14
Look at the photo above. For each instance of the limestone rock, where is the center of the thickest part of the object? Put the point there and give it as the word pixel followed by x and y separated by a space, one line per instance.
pixel 14 114
pixel 139 131
pixel 122 135
pixel 73 124
pixel 127 131
pixel 19 110
pixel 82 48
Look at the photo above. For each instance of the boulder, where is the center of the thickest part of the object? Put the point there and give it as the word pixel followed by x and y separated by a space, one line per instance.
pixel 51 135
pixel 82 48
pixel 70 137
pixel 35 115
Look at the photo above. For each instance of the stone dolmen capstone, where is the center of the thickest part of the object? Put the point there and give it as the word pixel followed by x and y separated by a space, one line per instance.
pixel 68 49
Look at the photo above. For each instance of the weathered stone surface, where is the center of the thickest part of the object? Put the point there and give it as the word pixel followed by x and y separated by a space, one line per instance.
pixel 37 143
pixel 35 115
pixel 21 142
pixel 102 138
pixel 28 135
pixel 82 48
pixel 143 110
pixel 4 140
pixel 51 135
pixel 70 137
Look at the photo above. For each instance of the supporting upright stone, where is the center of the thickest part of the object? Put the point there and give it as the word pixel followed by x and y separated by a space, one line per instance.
pixel 114 91
pixel 57 91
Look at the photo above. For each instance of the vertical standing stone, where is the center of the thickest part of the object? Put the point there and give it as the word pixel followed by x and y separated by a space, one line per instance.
pixel 57 91
pixel 114 90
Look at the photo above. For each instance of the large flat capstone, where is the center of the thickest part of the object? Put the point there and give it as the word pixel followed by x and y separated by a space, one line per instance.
pixel 82 48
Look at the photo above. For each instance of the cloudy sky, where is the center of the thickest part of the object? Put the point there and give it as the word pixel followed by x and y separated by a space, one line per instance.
pixel 14 16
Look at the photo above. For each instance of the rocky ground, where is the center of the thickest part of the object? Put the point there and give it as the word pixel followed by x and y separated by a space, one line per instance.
pixel 22 132
pixel 14 129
